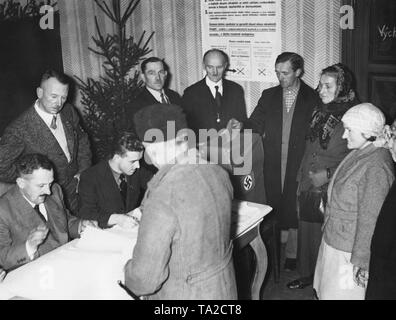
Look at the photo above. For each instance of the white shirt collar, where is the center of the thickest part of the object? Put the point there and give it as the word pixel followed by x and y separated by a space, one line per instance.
pixel 47 117
pixel 42 208
pixel 156 94
pixel 212 84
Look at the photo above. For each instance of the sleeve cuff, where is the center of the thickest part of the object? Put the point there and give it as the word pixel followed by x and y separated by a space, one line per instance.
pixel 30 251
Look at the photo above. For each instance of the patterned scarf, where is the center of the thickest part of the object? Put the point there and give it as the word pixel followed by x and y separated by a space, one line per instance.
pixel 326 117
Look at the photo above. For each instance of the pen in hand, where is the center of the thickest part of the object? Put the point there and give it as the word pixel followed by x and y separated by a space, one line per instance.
pixel 123 286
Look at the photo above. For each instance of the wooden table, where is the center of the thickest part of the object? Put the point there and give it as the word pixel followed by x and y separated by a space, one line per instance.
pixel 252 237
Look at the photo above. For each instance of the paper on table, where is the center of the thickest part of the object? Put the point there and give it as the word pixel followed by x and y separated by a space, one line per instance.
pixel 246 215
pixel 114 239
pixel 86 268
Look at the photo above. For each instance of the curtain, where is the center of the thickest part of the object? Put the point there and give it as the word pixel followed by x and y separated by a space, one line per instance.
pixel 309 27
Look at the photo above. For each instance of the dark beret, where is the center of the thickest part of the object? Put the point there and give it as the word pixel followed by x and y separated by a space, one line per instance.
pixel 163 118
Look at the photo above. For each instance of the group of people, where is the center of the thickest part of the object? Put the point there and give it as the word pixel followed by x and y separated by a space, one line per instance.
pixel 327 196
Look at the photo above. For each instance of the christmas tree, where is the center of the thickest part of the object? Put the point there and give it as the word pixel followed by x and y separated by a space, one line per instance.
pixel 106 100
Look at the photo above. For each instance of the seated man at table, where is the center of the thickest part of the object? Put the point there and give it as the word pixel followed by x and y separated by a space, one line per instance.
pixel 110 190
pixel 183 249
pixel 33 217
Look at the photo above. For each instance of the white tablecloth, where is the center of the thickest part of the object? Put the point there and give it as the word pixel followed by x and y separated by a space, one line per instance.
pixel 89 268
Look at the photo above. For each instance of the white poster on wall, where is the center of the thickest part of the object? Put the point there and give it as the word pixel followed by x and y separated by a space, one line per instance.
pixel 248 31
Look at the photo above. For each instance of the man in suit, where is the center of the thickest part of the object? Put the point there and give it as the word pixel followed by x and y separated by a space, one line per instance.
pixel 154 73
pixel 52 128
pixel 213 101
pixel 282 115
pixel 110 190
pixel 33 217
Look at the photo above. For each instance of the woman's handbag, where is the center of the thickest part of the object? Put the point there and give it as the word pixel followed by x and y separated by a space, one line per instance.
pixel 310 205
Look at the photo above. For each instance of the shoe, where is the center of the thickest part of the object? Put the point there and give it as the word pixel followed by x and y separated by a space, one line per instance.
pixel 290 264
pixel 298 284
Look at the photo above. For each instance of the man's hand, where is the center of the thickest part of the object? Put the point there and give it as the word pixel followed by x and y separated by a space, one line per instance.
pixel 77 177
pixel 360 276
pixel 37 236
pixel 123 220
pixel 319 178
pixel 85 223
pixel 135 214
pixel 234 124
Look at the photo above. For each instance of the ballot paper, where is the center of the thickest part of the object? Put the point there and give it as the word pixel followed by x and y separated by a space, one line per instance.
pixel 115 239
pixel 91 266
pixel 85 268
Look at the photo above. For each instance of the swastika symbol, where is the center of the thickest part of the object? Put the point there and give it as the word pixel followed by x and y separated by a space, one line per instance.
pixel 248 182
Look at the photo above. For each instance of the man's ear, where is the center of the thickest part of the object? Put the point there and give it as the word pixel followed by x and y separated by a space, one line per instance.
pixel 39 92
pixel 20 182
pixel 298 73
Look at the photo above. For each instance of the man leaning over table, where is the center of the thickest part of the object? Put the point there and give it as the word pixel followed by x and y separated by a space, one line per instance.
pixel 183 248
pixel 110 190
pixel 33 216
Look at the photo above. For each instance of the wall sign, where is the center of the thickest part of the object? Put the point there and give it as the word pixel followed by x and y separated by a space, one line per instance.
pixel 383 31
pixel 248 31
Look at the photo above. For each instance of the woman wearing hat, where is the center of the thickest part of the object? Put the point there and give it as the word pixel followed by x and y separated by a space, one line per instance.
pixel 355 195
pixel 382 281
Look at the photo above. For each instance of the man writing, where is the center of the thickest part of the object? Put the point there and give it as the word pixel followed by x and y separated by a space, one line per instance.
pixel 33 217
pixel 110 190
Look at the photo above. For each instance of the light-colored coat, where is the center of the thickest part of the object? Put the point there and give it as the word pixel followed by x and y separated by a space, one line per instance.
pixel 355 196
pixel 183 250
pixel 18 219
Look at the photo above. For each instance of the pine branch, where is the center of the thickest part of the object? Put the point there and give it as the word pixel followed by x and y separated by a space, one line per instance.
pixel 106 10
pixel 108 99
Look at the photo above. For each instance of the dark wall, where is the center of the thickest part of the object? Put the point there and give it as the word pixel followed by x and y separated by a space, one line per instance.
pixel 371 55
pixel 26 51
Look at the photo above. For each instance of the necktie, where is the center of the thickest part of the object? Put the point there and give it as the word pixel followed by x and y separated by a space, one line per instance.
pixel 163 98
pixel 218 103
pixel 37 208
pixel 123 187
pixel 53 123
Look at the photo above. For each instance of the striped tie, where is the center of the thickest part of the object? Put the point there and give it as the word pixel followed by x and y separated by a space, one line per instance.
pixel 53 123
pixel 164 98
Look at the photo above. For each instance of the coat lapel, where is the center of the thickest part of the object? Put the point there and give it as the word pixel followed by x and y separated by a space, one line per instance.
pixel 150 99
pixel 110 185
pixel 43 133
pixel 56 219
pixel 69 133
pixel 25 214
pixel 211 106
pixel 300 114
